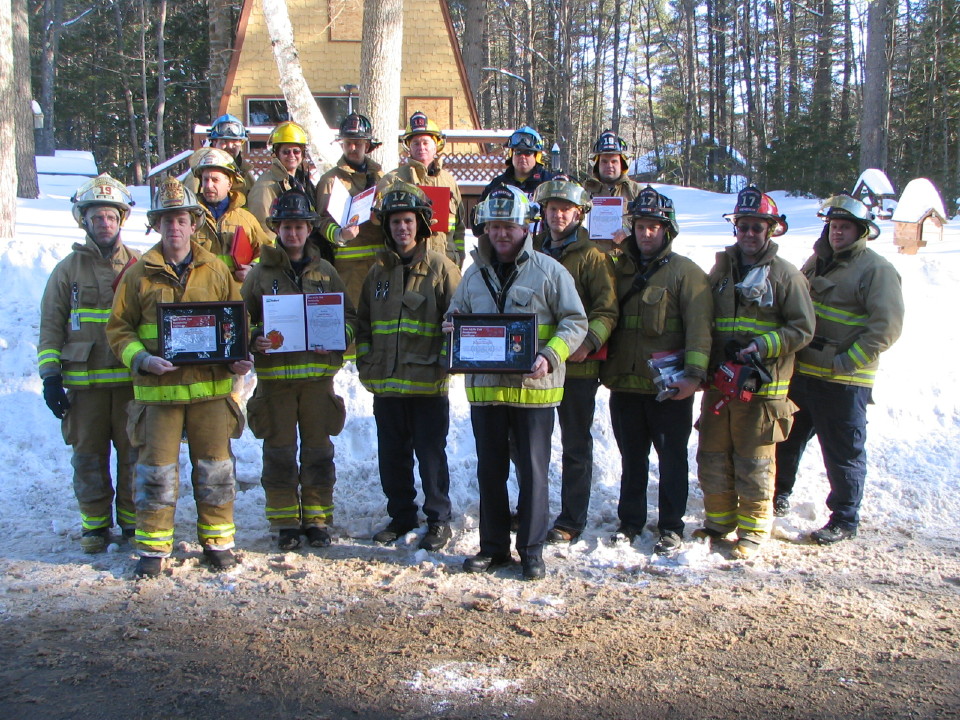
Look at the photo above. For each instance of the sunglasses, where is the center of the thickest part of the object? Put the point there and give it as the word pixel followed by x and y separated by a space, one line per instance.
pixel 756 228
pixel 291 151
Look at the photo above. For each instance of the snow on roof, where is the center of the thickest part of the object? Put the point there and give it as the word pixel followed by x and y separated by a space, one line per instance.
pixel 877 181
pixel 68 162
pixel 919 197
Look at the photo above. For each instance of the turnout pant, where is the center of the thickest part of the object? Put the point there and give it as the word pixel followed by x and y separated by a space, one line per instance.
pixel 408 426
pixel 736 459
pixel 531 428
pixel 157 430
pixel 297 496
pixel 575 414
pixel 638 421
pixel 837 415
pixel 98 418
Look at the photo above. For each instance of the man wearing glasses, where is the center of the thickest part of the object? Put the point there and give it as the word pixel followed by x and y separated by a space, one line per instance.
pixel 762 316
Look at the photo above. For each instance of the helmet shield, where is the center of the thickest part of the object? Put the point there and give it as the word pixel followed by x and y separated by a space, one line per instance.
pixel 846 207
pixel 753 203
pixel 651 204
pixel 101 190
pixel 358 127
pixel 506 204
pixel 420 124
pixel 400 196
pixel 172 195
pixel 562 188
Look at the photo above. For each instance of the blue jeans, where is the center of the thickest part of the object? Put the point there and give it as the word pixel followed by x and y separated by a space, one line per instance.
pixel 837 415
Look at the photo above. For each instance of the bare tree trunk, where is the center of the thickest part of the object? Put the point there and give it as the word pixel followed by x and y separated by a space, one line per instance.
pixel 26 164
pixel 565 129
pixel 8 95
pixel 380 72
pixel 300 103
pixel 475 12
pixel 615 117
pixel 161 80
pixel 147 155
pixel 220 36
pixel 49 57
pixel 138 165
pixel 876 87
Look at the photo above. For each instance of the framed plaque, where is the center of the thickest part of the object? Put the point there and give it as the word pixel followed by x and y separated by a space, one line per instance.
pixel 202 332
pixel 489 343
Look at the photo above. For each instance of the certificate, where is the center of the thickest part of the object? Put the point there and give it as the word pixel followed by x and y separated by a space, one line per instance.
pixel 295 323
pixel 605 218
pixel 202 332
pixel 350 211
pixel 493 343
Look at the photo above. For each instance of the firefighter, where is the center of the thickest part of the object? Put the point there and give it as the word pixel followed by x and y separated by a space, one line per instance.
pixel 859 305
pixel 227 133
pixel 525 167
pixel 424 143
pixel 289 170
pixel 665 309
pixel 402 361
pixel 223 212
pixel 170 400
pixel 608 178
pixel 509 276
pixel 355 246
pixel 564 205
pixel 73 353
pixel 762 312
pixel 295 390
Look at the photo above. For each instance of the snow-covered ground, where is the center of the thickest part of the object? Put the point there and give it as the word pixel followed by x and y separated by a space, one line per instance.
pixel 913 479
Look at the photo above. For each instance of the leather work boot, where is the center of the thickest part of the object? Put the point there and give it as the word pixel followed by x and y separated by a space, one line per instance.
pixel 482 562
pixel 832 533
pixel 393 532
pixel 318 537
pixel 289 539
pixel 148 567
pixel 437 536
pixel 745 549
pixel 559 535
pixel 95 541
pixel 668 544
pixel 220 560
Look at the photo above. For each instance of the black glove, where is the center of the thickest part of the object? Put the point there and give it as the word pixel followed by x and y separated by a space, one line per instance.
pixel 54 396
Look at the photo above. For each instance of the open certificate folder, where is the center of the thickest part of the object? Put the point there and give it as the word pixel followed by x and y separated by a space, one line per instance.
pixel 346 210
pixel 294 323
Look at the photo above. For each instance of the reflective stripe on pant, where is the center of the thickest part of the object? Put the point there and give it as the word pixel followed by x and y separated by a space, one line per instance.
pixel 638 421
pixel 209 426
pixel 279 411
pixel 97 418
pixel 575 414
pixel 736 457
pixel 408 426
pixel 531 428
pixel 837 415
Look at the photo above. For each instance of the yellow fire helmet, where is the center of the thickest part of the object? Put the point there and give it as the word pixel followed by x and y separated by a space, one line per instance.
pixel 420 124
pixel 172 195
pixel 287 132
pixel 207 158
pixel 101 190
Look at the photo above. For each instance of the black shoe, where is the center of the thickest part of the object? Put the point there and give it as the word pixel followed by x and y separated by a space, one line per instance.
pixel 624 534
pixel 781 505
pixel 533 568
pixel 559 535
pixel 832 533
pixel 95 541
pixel 318 537
pixel 515 521
pixel 148 567
pixel 220 560
pixel 289 540
pixel 436 537
pixel 669 543
pixel 483 563
pixel 393 532
pixel 128 534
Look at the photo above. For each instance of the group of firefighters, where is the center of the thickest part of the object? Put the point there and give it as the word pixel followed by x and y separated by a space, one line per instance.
pixel 780 354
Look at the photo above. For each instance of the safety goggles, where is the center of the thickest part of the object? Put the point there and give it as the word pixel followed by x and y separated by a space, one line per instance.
pixel 230 129
pixel 523 141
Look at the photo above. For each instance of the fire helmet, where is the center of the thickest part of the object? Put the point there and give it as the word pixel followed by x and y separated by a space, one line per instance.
pixel 291 205
pixel 101 190
pixel 358 127
pixel 609 143
pixel 400 196
pixel 172 195
pixel 755 204
pixel 847 207
pixel 562 187
pixel 525 139
pixel 209 158
pixel 287 132
pixel 227 127
pixel 505 204
pixel 420 124
pixel 651 204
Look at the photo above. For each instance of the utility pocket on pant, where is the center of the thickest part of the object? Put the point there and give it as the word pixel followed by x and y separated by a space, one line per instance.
pixel 778 419
pixel 237 415
pixel 136 421
pixel 68 426
pixel 336 414
pixel 258 416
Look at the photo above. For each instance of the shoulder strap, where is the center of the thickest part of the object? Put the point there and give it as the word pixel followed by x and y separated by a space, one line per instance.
pixel 640 281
